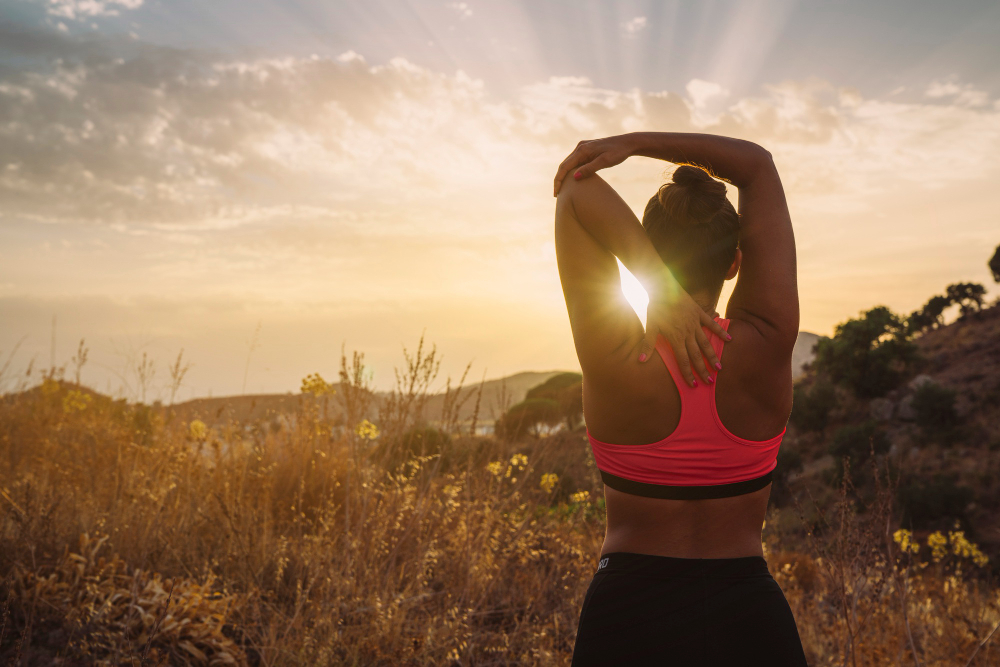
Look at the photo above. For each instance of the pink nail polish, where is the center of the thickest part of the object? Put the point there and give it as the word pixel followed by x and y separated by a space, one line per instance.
pixel 718 366
pixel 728 337
pixel 577 175
pixel 695 384
pixel 711 380
pixel 642 357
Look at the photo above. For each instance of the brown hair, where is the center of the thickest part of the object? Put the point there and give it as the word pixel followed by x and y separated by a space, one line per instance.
pixel 694 227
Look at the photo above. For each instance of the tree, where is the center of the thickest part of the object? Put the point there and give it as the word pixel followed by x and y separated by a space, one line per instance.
pixel 527 416
pixel 870 354
pixel 929 316
pixel 994 265
pixel 969 296
pixel 566 389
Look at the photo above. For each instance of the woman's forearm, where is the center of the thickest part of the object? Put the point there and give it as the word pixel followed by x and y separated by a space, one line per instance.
pixel 734 160
pixel 607 218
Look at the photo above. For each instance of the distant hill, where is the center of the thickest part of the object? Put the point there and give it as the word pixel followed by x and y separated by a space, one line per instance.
pixel 803 352
pixel 945 476
pixel 497 395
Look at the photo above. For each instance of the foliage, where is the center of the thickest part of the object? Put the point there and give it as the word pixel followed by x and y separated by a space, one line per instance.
pixel 870 354
pixel 994 265
pixel 928 503
pixel 566 389
pixel 968 296
pixel 934 406
pixel 856 443
pixel 252 544
pixel 930 316
pixel 811 406
pixel 527 416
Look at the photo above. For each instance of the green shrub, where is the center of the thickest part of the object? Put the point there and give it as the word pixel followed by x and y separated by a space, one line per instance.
pixel 419 441
pixel 856 444
pixel 527 416
pixel 871 354
pixel 811 408
pixel 933 503
pixel 566 389
pixel 934 406
pixel 789 461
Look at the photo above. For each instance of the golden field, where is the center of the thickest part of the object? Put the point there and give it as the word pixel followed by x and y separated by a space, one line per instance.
pixel 351 531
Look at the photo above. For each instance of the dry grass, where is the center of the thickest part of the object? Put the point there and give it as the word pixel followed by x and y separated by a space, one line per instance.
pixel 128 537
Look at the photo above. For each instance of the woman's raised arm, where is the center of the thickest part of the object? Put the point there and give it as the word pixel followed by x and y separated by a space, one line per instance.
pixel 766 293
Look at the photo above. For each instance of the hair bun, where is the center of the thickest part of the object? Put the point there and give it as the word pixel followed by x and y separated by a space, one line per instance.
pixel 697 196
pixel 698 179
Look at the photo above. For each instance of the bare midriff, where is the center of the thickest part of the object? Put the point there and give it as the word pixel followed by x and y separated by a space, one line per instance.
pixel 712 528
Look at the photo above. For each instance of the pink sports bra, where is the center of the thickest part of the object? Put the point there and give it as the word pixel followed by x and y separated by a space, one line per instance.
pixel 700 459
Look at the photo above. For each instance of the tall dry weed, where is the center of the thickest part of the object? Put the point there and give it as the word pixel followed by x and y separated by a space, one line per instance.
pixel 292 542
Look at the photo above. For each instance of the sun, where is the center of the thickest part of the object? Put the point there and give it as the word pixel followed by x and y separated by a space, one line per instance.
pixel 634 293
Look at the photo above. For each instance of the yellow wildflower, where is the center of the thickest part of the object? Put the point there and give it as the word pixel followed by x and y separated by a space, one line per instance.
pixel 75 401
pixel 495 468
pixel 366 430
pixel 904 539
pixel 315 384
pixel 548 482
pixel 938 544
pixel 197 429
pixel 580 497
pixel 963 548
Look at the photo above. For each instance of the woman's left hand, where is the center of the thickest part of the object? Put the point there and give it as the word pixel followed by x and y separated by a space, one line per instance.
pixel 674 314
pixel 590 156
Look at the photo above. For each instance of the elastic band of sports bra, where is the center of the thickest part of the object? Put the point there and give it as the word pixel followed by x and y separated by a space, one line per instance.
pixel 666 492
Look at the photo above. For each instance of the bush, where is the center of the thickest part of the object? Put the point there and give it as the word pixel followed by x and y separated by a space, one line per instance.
pixel 856 443
pixel 933 503
pixel 419 441
pixel 934 406
pixel 871 354
pixel 811 407
pixel 527 416
pixel 789 461
pixel 566 389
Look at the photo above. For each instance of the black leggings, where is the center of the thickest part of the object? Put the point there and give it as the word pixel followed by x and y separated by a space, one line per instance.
pixel 655 610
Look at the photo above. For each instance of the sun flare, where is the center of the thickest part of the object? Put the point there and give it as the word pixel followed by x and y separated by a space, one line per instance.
pixel 634 293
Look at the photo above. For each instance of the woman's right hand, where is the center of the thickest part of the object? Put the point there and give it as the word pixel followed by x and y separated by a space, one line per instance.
pixel 673 314
pixel 590 156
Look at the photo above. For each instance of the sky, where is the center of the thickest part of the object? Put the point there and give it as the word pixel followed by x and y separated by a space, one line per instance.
pixel 262 184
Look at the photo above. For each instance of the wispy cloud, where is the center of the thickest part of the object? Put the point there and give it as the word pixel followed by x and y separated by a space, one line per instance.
pixel 462 8
pixel 337 180
pixel 635 25
pixel 83 9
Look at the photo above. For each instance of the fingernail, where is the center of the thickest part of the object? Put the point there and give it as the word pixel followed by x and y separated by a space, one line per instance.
pixel 577 175
pixel 642 357
pixel 711 380
pixel 728 337
pixel 695 384
pixel 718 366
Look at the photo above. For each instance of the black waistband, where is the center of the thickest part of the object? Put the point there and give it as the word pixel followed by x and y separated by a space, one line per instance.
pixel 666 492
pixel 646 565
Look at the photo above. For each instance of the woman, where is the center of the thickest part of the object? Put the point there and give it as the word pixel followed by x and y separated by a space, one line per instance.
pixel 686 463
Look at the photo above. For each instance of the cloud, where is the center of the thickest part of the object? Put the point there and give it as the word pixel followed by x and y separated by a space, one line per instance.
pixel 635 25
pixel 463 9
pixel 966 95
pixel 167 139
pixel 701 92
pixel 84 9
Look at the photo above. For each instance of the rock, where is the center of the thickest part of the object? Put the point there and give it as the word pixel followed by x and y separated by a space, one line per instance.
pixel 881 409
pixel 920 381
pixel 905 410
